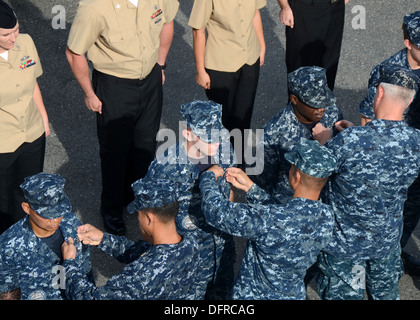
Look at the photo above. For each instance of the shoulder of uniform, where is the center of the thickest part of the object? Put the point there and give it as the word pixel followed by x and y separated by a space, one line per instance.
pixel 276 119
pixel 92 2
pixel 14 235
pixel 72 219
pixel 94 5
pixel 24 38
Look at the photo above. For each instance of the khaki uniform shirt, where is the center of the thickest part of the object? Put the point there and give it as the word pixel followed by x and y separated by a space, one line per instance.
pixel 121 40
pixel 232 41
pixel 20 120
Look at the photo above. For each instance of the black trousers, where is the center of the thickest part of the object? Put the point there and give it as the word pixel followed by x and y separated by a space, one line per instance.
pixel 316 37
pixel 235 91
pixel 127 129
pixel 26 161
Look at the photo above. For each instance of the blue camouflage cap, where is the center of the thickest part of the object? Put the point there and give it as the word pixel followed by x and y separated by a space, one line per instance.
pixel 397 75
pixel 204 118
pixel 365 106
pixel 313 159
pixel 45 194
pixel 150 193
pixel 412 27
pixel 310 85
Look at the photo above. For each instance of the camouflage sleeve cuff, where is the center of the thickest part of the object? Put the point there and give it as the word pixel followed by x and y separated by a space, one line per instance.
pixel 78 287
pixel 115 246
pixel 257 195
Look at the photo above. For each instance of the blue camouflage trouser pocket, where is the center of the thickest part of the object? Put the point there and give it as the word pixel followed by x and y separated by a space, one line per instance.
pixel 351 280
pixel 340 280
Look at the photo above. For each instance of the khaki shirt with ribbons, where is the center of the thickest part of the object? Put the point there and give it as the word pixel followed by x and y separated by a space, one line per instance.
pixel 20 120
pixel 231 41
pixel 121 40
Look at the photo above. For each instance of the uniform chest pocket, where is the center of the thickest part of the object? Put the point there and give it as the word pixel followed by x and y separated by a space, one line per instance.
pixel 155 27
pixel 156 23
pixel 19 86
pixel 119 41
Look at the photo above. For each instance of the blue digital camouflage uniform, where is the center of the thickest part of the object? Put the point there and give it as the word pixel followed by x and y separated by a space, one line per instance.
pixel 284 239
pixel 26 262
pixel 412 117
pixel 411 25
pixel 153 272
pixel 377 164
pixel 366 105
pixel 216 248
pixel 284 131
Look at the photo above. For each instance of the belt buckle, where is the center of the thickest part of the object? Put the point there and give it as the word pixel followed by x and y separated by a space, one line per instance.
pixel 332 1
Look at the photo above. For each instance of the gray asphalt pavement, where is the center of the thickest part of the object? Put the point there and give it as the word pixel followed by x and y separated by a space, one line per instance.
pixel 72 148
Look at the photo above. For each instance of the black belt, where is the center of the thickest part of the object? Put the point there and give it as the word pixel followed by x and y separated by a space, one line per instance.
pixel 124 80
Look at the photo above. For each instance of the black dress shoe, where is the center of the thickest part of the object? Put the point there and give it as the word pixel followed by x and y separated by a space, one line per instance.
pixel 411 264
pixel 114 225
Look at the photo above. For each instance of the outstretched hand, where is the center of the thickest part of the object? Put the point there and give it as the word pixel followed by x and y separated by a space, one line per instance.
pixel 90 235
pixel 321 133
pixel 343 124
pixel 239 179
pixel 218 172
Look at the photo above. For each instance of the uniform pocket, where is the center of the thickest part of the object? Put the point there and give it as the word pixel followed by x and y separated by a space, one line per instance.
pixel 119 41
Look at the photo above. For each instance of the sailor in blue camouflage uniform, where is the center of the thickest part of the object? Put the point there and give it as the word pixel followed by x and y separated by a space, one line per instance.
pixel 161 266
pixel 30 250
pixel 284 239
pixel 312 103
pixel 205 142
pixel 377 163
pixel 409 58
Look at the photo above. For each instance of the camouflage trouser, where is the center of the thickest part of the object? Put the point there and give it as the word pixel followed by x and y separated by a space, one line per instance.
pixel 350 280
pixel 222 285
pixel 411 211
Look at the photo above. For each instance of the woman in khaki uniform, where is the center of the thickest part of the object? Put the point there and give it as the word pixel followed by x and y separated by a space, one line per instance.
pixel 228 61
pixel 23 118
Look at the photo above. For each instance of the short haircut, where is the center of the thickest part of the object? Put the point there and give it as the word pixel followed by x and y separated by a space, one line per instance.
pixel 317 183
pixel 405 95
pixel 165 213
pixel 11 295
pixel 405 35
